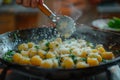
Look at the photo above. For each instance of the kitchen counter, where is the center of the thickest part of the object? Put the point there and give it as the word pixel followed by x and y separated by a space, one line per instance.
pixel 95 13
pixel 17 9
pixel 13 17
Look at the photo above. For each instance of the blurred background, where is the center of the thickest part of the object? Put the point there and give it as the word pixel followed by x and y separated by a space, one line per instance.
pixel 14 17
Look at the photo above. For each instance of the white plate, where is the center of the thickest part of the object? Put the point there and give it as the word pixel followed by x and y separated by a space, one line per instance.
pixel 102 24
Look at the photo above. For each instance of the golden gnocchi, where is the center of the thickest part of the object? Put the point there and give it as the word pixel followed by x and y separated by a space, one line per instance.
pixel 55 53
pixel 36 60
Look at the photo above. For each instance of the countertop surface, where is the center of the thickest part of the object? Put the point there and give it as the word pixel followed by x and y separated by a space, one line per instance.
pixel 17 9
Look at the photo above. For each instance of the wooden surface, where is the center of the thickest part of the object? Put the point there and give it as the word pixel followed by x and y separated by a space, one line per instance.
pixel 24 21
pixel 7 22
pixel 92 14
pixel 11 21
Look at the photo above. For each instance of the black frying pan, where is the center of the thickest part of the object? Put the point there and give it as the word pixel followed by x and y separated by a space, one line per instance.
pixel 10 40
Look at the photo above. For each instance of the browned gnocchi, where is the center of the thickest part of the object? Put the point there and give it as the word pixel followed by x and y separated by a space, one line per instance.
pixel 55 53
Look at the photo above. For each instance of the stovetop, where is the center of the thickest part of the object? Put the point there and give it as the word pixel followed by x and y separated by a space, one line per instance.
pixel 16 76
pixel 112 73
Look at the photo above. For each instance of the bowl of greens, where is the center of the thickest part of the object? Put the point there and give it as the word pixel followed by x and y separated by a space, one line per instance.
pixel 112 24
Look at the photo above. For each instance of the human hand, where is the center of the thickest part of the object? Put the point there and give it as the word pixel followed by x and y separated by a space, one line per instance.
pixel 29 3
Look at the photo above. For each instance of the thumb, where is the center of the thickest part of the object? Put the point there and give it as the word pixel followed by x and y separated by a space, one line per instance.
pixel 40 2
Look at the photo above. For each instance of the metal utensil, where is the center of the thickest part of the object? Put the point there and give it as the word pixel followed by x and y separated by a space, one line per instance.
pixel 64 24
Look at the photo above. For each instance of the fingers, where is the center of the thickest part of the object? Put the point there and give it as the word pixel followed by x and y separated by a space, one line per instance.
pixel 34 3
pixel 28 3
pixel 18 1
pixel 40 2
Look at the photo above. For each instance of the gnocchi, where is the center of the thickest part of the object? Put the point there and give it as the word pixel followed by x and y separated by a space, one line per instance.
pixel 36 60
pixel 55 53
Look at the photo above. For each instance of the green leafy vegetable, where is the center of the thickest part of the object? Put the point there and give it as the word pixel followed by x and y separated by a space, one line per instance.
pixel 90 44
pixel 37 47
pixel 8 56
pixel 73 58
pixel 18 51
pixel 47 44
pixel 15 36
pixel 58 58
pixel 114 23
pixel 71 50
pixel 10 53
pixel 105 61
pixel 83 59
pixel 47 49
pixel 57 45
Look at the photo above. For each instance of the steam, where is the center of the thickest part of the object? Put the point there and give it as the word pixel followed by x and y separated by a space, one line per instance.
pixel 74 12
pixel 56 6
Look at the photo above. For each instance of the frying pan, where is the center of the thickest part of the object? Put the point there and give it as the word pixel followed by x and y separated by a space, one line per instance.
pixel 10 40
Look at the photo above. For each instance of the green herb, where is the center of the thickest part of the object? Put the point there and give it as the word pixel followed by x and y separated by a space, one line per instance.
pixel 37 47
pixel 47 44
pixel 47 49
pixel 15 36
pixel 71 50
pixel 105 61
pixel 10 53
pixel 114 23
pixel 73 58
pixel 83 59
pixel 90 44
pixel 8 56
pixel 58 58
pixel 57 45
pixel 19 51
